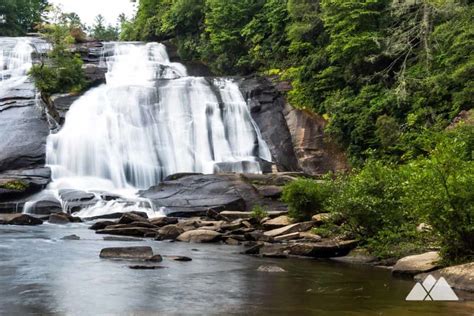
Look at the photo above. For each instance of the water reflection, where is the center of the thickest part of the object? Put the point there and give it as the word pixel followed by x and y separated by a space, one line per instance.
pixel 54 276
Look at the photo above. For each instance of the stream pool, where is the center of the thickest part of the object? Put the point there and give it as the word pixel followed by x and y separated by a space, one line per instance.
pixel 40 274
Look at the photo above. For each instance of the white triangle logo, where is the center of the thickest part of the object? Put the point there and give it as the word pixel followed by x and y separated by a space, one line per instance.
pixel 432 290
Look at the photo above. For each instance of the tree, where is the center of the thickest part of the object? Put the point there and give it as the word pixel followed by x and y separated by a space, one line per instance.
pixel 102 32
pixel 21 16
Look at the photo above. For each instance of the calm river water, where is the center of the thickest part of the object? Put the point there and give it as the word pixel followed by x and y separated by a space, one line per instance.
pixel 40 274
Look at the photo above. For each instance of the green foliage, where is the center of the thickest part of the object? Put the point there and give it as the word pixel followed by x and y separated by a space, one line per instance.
pixel 370 200
pixel 63 71
pixel 258 212
pixel 18 17
pixel 16 185
pixel 441 189
pixel 305 197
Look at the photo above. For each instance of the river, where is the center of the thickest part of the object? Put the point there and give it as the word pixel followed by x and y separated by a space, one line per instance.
pixel 42 274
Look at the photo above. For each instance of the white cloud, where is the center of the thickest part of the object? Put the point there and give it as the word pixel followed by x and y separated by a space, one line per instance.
pixel 89 9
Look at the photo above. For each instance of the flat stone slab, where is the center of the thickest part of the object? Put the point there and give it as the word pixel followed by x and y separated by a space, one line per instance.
pixel 460 277
pixel 232 215
pixel 200 236
pixel 277 222
pixel 138 253
pixel 416 264
pixel 293 228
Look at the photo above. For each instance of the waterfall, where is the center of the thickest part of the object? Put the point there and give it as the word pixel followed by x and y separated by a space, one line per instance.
pixel 16 58
pixel 151 120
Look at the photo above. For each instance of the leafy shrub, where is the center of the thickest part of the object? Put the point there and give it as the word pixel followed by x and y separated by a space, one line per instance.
pixel 370 200
pixel 258 212
pixel 305 197
pixel 441 188
pixel 63 72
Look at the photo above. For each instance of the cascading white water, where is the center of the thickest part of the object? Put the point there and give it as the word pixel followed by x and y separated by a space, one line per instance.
pixel 151 120
pixel 16 60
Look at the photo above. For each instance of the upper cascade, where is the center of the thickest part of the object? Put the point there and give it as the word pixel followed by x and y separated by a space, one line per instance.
pixel 16 59
pixel 151 120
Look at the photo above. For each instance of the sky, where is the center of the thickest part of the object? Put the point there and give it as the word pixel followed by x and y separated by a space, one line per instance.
pixel 89 9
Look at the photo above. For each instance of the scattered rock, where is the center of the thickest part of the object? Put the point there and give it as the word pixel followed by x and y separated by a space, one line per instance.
pixel 270 191
pixel 232 242
pixel 460 277
pixel 62 219
pixel 129 231
pixel 258 235
pixel 298 227
pixel 200 236
pixel 169 232
pixel 138 253
pixel 102 225
pixel 277 222
pixel 321 218
pixel 423 227
pixel 179 258
pixel 156 258
pixel 143 267
pixel 163 221
pixel 71 237
pixel 357 256
pixel 270 268
pixel 115 238
pixel 19 219
pixel 128 218
pixel 253 250
pixel 412 265
pixel 323 249
pixel 310 236
pixel 289 236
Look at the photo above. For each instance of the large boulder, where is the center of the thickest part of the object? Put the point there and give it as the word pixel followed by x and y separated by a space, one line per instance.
pixel 460 277
pixel 196 194
pixel 416 264
pixel 133 253
pixel 200 236
pixel 19 219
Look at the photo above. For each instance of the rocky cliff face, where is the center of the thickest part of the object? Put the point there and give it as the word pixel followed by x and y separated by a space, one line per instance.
pixel 296 138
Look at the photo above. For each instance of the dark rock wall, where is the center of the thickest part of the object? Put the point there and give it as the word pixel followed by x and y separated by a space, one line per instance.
pixel 296 138
pixel 266 107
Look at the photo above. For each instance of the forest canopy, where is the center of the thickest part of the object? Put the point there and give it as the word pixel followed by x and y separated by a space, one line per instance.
pixel 18 17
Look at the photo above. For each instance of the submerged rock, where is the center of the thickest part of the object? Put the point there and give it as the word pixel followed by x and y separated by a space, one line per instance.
pixel 144 267
pixel 115 238
pixel 138 253
pixel 271 268
pixel 200 236
pixel 129 231
pixel 416 264
pixel 71 237
pixel 179 258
